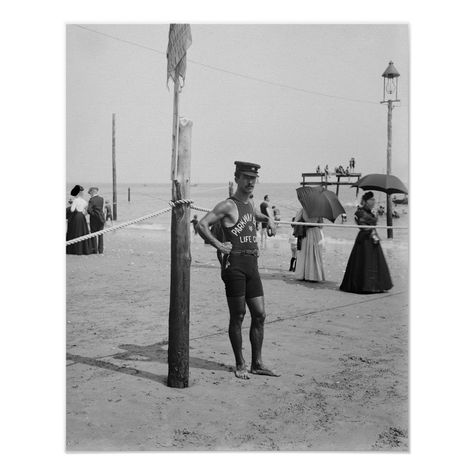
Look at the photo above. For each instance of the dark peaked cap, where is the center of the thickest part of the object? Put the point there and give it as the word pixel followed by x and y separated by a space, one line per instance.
pixel 250 169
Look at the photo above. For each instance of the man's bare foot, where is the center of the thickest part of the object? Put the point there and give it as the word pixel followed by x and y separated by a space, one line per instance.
pixel 241 372
pixel 262 370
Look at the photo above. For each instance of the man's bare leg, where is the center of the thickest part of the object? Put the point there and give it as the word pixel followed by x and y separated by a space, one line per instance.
pixel 257 312
pixel 237 313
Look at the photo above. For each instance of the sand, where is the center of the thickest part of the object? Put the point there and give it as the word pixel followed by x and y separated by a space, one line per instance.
pixel 343 357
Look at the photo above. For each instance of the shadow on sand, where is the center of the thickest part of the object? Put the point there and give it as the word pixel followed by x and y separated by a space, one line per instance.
pixel 151 353
pixel 321 285
pixel 117 368
pixel 156 353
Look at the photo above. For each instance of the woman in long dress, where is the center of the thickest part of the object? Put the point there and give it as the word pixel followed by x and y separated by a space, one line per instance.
pixel 309 260
pixel 77 224
pixel 367 270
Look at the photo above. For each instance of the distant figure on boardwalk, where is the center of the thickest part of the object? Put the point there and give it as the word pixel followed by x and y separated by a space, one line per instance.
pixel 352 164
pixel 194 222
pixel 77 224
pixel 309 261
pixel 108 211
pixel 326 170
pixel 367 270
pixel 318 169
pixel 96 210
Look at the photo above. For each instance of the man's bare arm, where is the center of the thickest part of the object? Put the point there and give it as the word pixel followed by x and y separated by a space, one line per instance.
pixel 221 210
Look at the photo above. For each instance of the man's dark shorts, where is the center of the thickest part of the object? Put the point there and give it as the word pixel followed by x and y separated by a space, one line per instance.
pixel 241 277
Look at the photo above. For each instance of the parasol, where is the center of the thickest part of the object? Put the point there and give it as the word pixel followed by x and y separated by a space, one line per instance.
pixel 320 202
pixel 389 184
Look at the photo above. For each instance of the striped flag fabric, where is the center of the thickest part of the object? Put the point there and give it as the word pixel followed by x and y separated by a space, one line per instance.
pixel 179 41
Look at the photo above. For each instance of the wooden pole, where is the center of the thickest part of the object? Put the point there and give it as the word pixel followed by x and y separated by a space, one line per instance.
pixel 128 194
pixel 337 189
pixel 174 144
pixel 389 167
pixel 178 336
pixel 114 173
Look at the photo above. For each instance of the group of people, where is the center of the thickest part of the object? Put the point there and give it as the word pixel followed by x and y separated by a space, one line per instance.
pixel 339 169
pixel 98 210
pixel 238 250
pixel 366 271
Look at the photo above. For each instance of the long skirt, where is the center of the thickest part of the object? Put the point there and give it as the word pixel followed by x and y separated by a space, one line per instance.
pixel 77 227
pixel 309 260
pixel 367 270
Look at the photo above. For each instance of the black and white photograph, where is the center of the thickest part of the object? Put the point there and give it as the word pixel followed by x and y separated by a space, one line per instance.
pixel 237 237
pixel 265 264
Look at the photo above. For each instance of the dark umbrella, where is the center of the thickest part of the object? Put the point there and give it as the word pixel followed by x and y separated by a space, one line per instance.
pixel 319 202
pixel 381 182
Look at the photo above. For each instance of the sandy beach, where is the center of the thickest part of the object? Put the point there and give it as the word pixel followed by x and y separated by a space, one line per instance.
pixel 343 358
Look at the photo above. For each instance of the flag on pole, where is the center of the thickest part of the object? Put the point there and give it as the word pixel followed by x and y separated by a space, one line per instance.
pixel 179 41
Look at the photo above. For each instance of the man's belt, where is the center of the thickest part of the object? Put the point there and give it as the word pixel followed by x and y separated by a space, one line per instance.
pixel 253 253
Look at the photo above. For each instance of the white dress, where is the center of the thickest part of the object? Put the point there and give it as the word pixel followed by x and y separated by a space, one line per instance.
pixel 79 204
pixel 309 260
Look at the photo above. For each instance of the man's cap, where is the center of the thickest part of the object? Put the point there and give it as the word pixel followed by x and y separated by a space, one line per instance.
pixel 93 188
pixel 250 169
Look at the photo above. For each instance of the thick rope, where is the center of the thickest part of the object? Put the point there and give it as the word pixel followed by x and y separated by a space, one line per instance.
pixel 313 224
pixel 180 202
pixel 126 224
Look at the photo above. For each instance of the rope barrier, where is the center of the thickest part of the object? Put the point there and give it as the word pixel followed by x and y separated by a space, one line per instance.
pixel 189 202
pixel 345 226
pixel 314 224
pixel 172 204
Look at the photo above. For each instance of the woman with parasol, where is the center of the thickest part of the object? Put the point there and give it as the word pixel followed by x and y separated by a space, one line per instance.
pixel 316 203
pixel 367 270
pixel 309 260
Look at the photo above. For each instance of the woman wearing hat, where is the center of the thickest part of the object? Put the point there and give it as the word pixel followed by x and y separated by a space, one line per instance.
pixel 309 260
pixel 367 270
pixel 77 224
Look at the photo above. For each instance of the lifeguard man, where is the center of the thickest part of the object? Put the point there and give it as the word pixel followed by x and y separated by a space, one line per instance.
pixel 238 217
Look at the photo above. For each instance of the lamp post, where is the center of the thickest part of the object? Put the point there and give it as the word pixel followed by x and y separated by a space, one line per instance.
pixel 390 95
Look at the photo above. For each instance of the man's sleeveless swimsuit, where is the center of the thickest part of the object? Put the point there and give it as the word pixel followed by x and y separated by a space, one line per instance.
pixel 240 268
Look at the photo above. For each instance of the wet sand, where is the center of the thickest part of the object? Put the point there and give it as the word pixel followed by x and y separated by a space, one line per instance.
pixel 343 357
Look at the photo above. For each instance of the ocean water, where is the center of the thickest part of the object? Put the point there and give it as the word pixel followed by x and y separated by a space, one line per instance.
pixel 147 198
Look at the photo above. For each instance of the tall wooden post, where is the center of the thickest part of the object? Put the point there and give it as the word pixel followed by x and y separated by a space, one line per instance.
pixel 114 173
pixel 337 188
pixel 128 194
pixel 178 338
pixel 389 166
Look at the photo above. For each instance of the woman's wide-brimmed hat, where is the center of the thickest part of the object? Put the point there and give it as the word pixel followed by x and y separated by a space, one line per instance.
pixel 76 190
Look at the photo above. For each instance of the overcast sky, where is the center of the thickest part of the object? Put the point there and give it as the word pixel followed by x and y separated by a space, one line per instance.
pixel 235 118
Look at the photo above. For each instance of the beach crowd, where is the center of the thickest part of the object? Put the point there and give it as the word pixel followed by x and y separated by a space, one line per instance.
pixel 366 271
pixel 85 216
